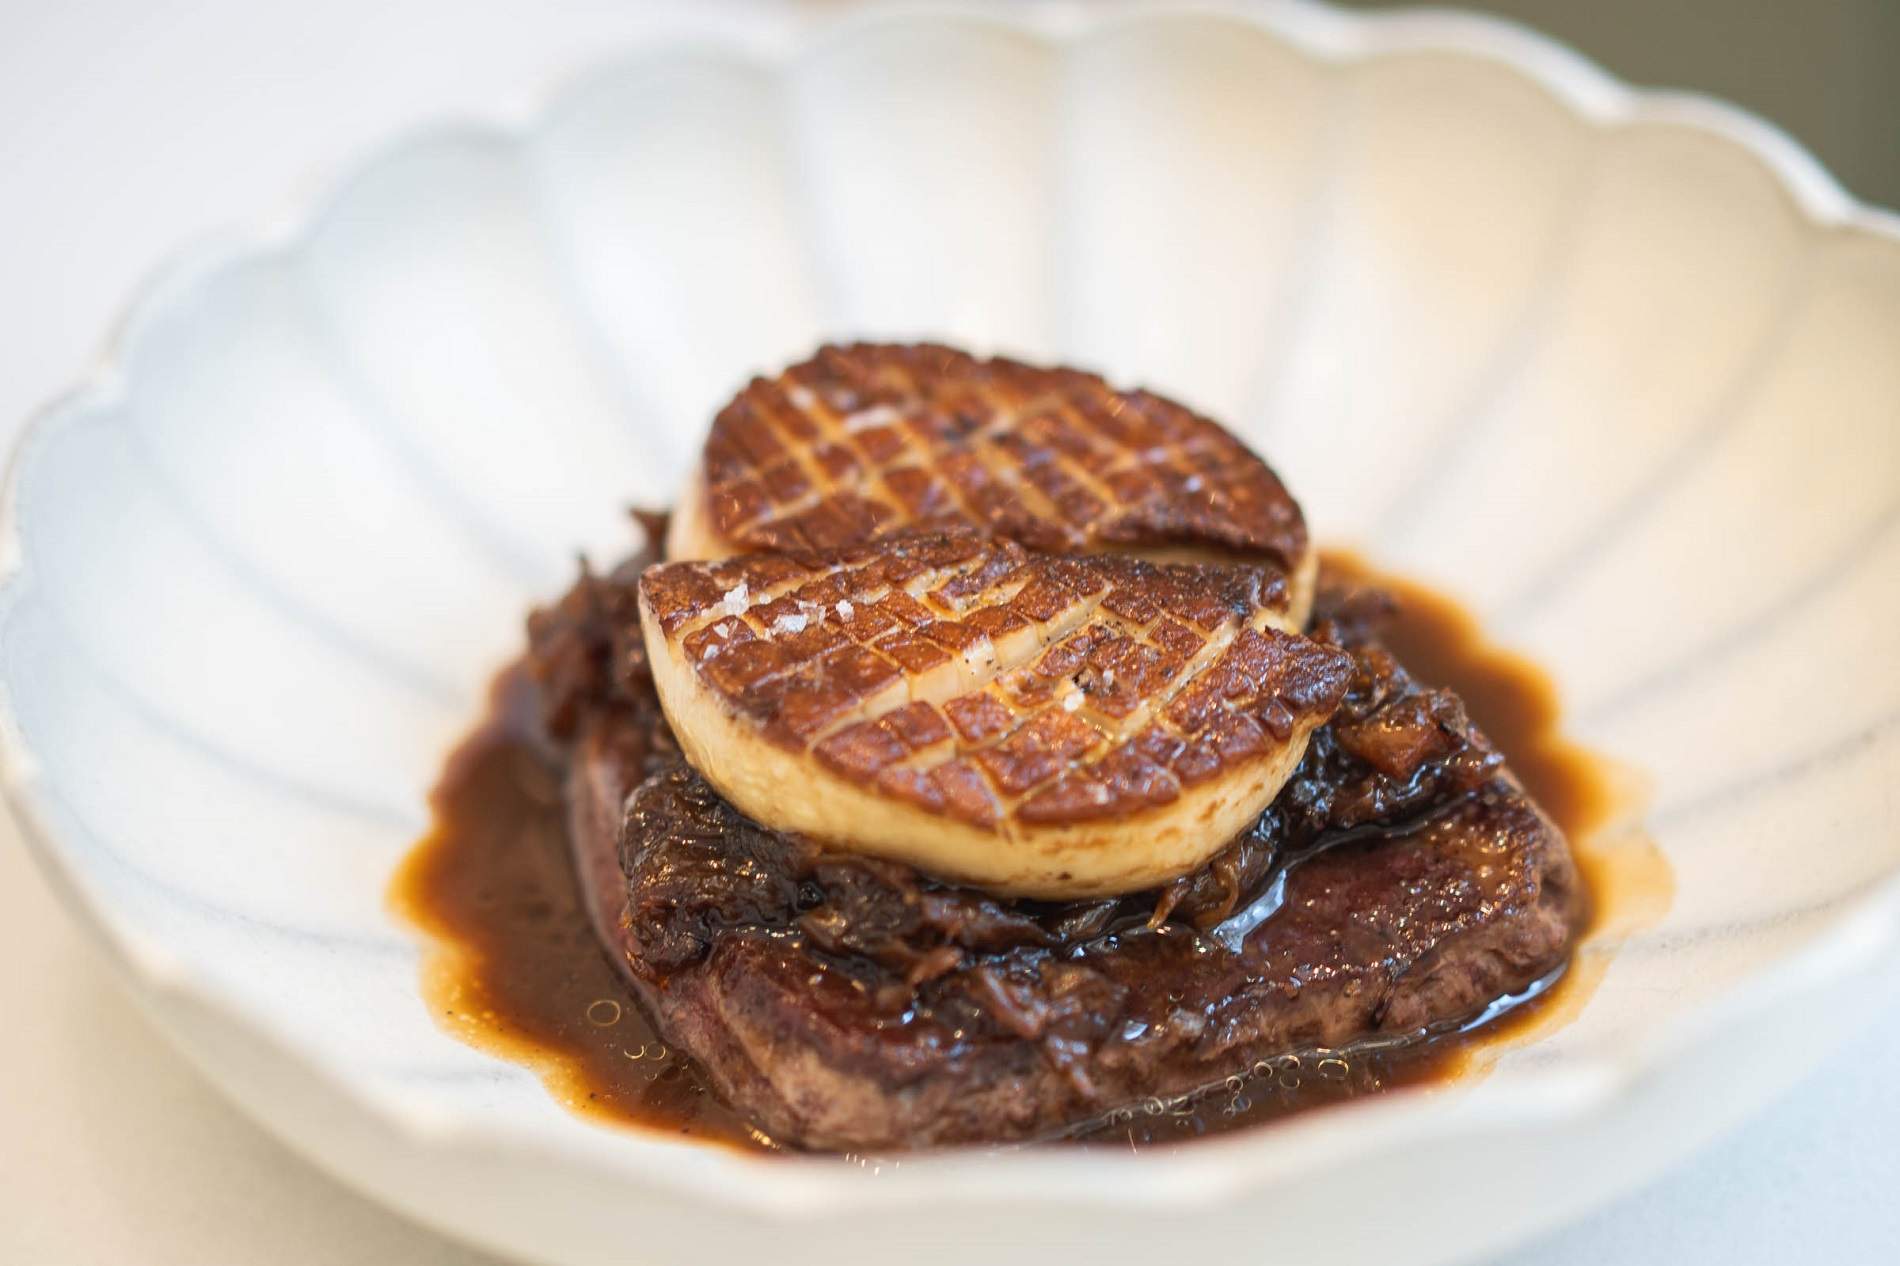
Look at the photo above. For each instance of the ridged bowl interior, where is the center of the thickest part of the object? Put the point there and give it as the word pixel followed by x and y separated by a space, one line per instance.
pixel 1618 369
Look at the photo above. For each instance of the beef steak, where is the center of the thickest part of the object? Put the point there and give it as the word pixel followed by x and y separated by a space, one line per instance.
pixel 1400 882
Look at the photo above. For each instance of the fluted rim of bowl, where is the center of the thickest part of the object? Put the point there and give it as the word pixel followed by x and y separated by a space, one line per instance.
pixel 1853 942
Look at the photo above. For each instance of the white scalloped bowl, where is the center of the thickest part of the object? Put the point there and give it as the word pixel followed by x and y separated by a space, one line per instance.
pixel 1618 368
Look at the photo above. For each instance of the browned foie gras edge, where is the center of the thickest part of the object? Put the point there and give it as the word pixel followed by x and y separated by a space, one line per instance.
pixel 862 439
pixel 1043 725
pixel 783 1063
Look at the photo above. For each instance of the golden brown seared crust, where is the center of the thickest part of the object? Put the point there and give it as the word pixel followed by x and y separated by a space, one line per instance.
pixel 1015 694
pixel 863 439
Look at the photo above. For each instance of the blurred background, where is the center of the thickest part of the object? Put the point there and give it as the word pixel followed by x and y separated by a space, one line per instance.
pixel 1828 71
pixel 128 127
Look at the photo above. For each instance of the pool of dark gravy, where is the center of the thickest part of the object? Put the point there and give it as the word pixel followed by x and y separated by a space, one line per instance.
pixel 514 966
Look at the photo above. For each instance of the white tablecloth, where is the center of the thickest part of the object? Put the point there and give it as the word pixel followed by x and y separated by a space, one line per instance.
pixel 129 126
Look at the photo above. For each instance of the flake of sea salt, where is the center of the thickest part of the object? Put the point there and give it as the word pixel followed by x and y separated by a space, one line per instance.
pixel 736 600
pixel 793 622
pixel 876 415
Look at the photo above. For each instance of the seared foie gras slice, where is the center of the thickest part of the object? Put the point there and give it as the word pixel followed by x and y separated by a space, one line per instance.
pixel 862 440
pixel 1039 725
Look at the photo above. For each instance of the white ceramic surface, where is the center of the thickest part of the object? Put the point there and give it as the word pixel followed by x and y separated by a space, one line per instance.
pixel 1619 368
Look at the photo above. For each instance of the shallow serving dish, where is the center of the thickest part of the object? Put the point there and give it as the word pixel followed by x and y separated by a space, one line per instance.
pixel 1616 367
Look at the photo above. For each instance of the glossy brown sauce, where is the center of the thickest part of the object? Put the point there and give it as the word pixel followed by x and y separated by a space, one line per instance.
pixel 516 969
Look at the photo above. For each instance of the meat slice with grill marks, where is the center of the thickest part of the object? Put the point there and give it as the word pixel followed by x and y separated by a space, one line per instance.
pixel 863 440
pixel 1044 725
